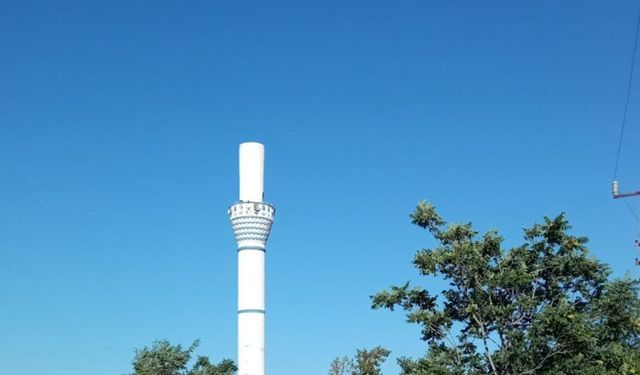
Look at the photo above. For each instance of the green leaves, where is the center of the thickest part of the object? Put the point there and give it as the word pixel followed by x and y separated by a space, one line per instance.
pixel 365 362
pixel 426 217
pixel 544 307
pixel 163 358
pixel 204 367
pixel 405 298
pixel 341 366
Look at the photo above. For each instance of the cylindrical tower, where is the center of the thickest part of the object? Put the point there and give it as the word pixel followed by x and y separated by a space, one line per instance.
pixel 251 220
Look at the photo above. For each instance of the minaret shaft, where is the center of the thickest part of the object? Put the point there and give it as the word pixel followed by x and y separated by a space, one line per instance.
pixel 251 220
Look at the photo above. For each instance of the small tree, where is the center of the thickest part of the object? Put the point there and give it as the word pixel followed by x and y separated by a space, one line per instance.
pixel 365 362
pixel 341 366
pixel 545 307
pixel 163 358
pixel 204 367
pixel 368 362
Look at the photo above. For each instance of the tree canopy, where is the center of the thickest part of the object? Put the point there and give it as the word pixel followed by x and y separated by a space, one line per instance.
pixel 365 362
pixel 163 358
pixel 544 307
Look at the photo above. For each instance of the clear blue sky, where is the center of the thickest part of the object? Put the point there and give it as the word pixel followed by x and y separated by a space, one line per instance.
pixel 119 127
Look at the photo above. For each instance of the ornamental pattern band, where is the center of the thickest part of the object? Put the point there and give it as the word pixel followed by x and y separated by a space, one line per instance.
pixel 251 220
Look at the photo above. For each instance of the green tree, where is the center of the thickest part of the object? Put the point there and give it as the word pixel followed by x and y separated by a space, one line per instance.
pixel 545 307
pixel 341 366
pixel 204 367
pixel 163 358
pixel 368 362
pixel 365 362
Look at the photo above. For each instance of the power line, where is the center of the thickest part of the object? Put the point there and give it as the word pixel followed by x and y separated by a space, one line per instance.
pixel 626 102
pixel 633 212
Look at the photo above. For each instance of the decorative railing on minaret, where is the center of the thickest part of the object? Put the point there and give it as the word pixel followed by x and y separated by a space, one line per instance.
pixel 251 220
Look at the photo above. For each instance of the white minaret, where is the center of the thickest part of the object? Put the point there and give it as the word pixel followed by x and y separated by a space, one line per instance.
pixel 251 219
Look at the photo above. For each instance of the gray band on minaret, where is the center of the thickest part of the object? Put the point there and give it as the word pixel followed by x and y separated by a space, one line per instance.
pixel 259 248
pixel 248 311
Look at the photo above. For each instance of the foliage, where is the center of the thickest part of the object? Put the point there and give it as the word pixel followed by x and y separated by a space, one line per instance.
pixel 365 362
pixel 163 358
pixel 341 366
pixel 545 307
pixel 204 367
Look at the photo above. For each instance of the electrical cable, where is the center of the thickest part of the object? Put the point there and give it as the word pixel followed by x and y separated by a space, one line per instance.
pixel 626 103
pixel 633 212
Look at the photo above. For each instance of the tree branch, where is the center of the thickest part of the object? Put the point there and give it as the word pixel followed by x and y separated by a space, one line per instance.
pixel 487 352
pixel 533 370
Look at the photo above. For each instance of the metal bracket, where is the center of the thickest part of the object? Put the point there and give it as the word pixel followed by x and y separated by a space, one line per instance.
pixel 617 194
